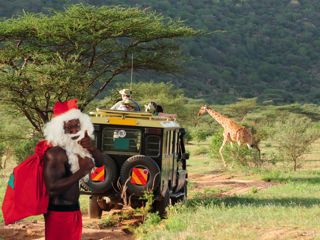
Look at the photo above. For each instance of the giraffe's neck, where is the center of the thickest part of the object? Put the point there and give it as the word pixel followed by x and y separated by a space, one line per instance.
pixel 217 116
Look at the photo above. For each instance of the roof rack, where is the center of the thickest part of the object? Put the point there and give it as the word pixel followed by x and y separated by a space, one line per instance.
pixel 128 114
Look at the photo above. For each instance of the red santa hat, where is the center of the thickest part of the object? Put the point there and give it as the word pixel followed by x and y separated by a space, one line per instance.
pixel 63 107
pixel 65 111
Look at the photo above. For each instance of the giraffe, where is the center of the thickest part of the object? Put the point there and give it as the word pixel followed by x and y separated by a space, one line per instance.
pixel 233 132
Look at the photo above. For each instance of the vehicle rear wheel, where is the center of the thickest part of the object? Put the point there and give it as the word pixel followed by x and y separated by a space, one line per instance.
pixel 140 173
pixel 94 210
pixel 110 176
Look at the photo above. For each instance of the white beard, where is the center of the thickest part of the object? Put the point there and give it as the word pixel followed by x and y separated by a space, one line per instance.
pixel 54 132
pixel 73 149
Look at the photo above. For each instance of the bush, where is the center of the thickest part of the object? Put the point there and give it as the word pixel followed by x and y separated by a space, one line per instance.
pixel 236 155
pixel 199 135
pixel 200 150
pixel 187 137
pixel 2 148
pixel 24 149
pixel 293 137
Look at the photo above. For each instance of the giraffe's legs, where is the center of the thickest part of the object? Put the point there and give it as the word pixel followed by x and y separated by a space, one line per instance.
pixel 220 151
pixel 238 148
pixel 258 161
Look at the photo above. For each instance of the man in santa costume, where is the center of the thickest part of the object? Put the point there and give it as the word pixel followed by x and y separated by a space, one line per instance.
pixel 71 157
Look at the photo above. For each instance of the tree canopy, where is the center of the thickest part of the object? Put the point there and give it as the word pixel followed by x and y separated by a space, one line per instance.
pixel 265 49
pixel 76 53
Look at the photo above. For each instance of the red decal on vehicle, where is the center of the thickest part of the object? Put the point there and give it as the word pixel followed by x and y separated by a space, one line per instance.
pixel 98 174
pixel 139 176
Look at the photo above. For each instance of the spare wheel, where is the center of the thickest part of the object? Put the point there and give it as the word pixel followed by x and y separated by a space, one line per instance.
pixel 140 173
pixel 102 179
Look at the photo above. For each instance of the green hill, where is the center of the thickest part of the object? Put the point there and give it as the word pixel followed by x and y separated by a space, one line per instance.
pixel 266 48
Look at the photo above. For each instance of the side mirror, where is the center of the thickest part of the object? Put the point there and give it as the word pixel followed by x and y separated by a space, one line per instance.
pixel 182 131
pixel 185 156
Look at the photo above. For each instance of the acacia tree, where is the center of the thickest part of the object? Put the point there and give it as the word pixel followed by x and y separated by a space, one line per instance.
pixel 77 52
pixel 293 137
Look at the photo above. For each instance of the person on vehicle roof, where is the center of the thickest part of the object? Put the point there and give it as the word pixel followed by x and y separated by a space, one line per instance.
pixel 125 94
pixel 152 107
pixel 128 105
pixel 157 110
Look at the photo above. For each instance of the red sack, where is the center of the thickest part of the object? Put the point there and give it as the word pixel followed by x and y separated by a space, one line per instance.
pixel 26 193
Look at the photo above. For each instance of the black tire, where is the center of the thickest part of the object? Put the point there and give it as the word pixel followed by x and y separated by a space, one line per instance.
pixel 161 205
pixel 94 211
pixel 111 174
pixel 144 162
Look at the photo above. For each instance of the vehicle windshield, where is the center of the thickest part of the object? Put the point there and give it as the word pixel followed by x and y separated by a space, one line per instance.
pixel 124 140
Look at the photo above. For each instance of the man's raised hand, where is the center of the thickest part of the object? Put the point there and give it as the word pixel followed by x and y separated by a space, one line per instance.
pixel 85 164
pixel 85 142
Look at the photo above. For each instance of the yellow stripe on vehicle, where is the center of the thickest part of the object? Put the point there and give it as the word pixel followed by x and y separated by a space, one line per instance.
pixel 120 121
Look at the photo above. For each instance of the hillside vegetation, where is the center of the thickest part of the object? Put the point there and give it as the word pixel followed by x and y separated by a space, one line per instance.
pixel 266 49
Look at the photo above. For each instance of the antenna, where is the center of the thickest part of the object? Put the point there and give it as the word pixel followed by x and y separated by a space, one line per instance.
pixel 131 71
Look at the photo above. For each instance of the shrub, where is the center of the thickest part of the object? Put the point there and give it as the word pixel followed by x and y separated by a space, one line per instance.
pixel 238 155
pixel 2 149
pixel 200 150
pixel 293 137
pixel 199 135
pixel 24 149
pixel 187 137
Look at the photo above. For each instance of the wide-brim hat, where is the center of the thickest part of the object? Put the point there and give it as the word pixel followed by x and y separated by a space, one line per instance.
pixel 127 92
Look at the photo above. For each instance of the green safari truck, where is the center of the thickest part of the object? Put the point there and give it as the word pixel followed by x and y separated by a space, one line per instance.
pixel 142 153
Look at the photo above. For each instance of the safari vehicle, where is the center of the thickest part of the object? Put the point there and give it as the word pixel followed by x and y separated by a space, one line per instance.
pixel 142 153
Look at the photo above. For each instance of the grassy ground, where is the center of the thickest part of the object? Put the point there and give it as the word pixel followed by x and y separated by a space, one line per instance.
pixel 287 210
pixel 282 208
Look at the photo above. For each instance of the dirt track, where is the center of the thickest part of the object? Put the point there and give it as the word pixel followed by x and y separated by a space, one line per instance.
pixel 94 229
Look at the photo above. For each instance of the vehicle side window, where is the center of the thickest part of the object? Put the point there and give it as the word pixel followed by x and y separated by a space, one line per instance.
pixel 173 141
pixel 165 137
pixel 95 140
pixel 153 145
pixel 96 133
pixel 169 142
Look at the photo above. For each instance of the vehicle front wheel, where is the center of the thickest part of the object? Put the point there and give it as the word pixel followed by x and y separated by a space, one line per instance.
pixel 94 209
